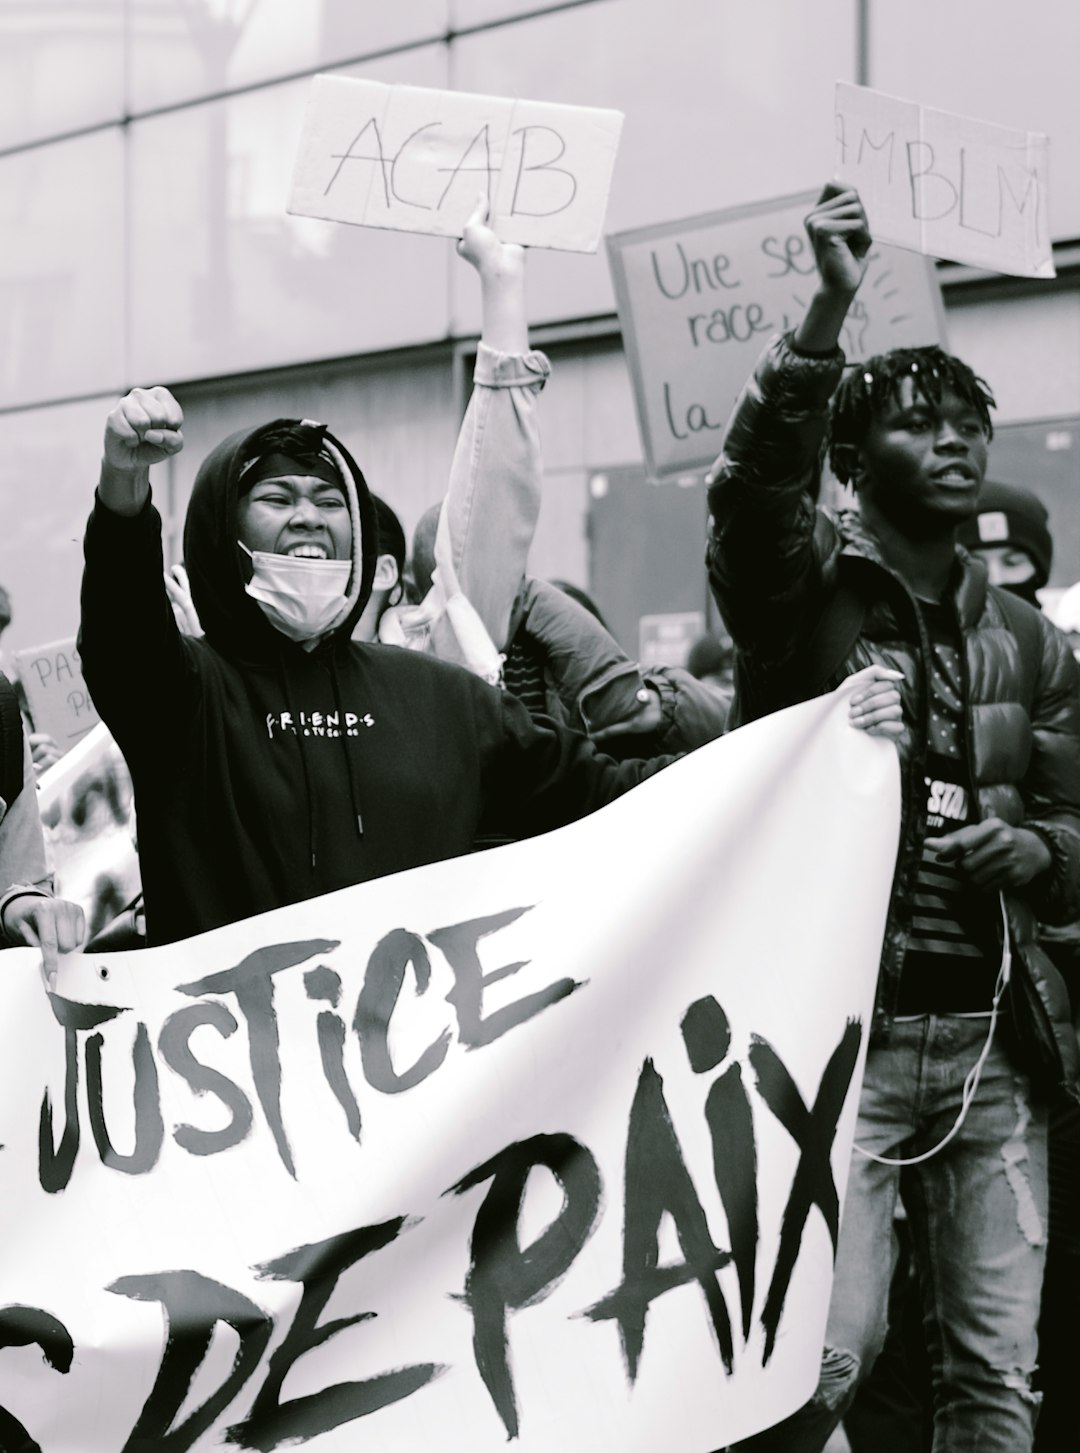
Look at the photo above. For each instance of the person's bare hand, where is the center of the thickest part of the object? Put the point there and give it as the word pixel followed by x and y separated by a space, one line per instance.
pixel 992 854
pixel 647 716
pixel 875 706
pixel 480 246
pixel 840 236
pixel 178 589
pixel 143 429
pixel 54 925
pixel 43 751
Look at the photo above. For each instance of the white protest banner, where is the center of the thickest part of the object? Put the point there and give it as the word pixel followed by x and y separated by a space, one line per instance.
pixel 59 702
pixel 544 1145
pixel 86 811
pixel 699 298
pixel 414 160
pixel 944 185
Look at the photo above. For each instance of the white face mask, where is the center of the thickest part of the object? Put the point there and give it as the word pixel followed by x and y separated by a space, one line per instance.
pixel 302 598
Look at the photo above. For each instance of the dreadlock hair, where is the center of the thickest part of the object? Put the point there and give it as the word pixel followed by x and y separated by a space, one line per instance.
pixel 869 388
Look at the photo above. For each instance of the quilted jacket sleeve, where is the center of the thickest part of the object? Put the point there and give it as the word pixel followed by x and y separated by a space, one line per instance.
pixel 489 514
pixel 1051 786
pixel 767 539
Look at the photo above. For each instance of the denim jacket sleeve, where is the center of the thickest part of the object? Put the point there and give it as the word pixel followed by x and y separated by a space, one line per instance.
pixel 487 519
pixel 767 537
pixel 493 500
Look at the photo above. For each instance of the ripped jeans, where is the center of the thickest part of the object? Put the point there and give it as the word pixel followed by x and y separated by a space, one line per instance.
pixel 977 1212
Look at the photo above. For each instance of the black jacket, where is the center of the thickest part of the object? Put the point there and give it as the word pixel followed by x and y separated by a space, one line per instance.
pixel 775 560
pixel 265 774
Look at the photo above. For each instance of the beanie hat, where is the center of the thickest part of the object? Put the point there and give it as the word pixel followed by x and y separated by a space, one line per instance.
pixel 1010 515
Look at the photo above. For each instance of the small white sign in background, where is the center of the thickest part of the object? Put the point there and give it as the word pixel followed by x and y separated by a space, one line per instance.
pixel 415 160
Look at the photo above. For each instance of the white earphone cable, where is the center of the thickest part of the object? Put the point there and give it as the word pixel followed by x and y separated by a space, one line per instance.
pixel 971 1080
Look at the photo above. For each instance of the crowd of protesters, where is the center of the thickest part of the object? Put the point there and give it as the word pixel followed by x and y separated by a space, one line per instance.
pixel 317 706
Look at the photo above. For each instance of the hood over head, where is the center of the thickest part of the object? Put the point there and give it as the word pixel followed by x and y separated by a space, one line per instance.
pixel 232 620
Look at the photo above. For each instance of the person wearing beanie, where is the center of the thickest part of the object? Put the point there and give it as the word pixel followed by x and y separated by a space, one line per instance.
pixel 1010 533
pixel 275 758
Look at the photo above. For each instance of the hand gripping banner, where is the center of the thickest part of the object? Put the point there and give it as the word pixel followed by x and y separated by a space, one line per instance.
pixel 544 1146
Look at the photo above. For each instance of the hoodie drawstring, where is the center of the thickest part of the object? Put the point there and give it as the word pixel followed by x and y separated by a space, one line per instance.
pixel 312 812
pixel 353 795
pixel 309 796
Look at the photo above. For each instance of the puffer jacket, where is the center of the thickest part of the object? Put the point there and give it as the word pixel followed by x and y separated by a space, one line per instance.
pixel 774 561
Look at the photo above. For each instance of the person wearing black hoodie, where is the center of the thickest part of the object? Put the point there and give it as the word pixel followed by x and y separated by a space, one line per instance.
pixel 274 759
pixel 271 765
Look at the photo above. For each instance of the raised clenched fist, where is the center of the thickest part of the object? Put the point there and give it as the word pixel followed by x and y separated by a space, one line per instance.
pixel 143 429
pixel 840 236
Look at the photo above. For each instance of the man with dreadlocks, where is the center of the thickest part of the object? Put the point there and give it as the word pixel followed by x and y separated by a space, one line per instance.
pixel 990 753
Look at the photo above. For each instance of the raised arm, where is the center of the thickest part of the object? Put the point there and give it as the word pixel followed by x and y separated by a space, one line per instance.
pixel 131 650
pixel 489 514
pixel 763 487
pixel 143 429
pixel 840 236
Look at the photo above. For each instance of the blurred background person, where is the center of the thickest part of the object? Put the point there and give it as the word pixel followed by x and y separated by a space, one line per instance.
pixel 1010 533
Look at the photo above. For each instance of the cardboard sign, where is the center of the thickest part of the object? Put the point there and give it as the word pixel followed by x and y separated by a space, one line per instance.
pixel 517 1146
pixel 415 160
pixel 56 693
pixel 698 300
pixel 945 185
